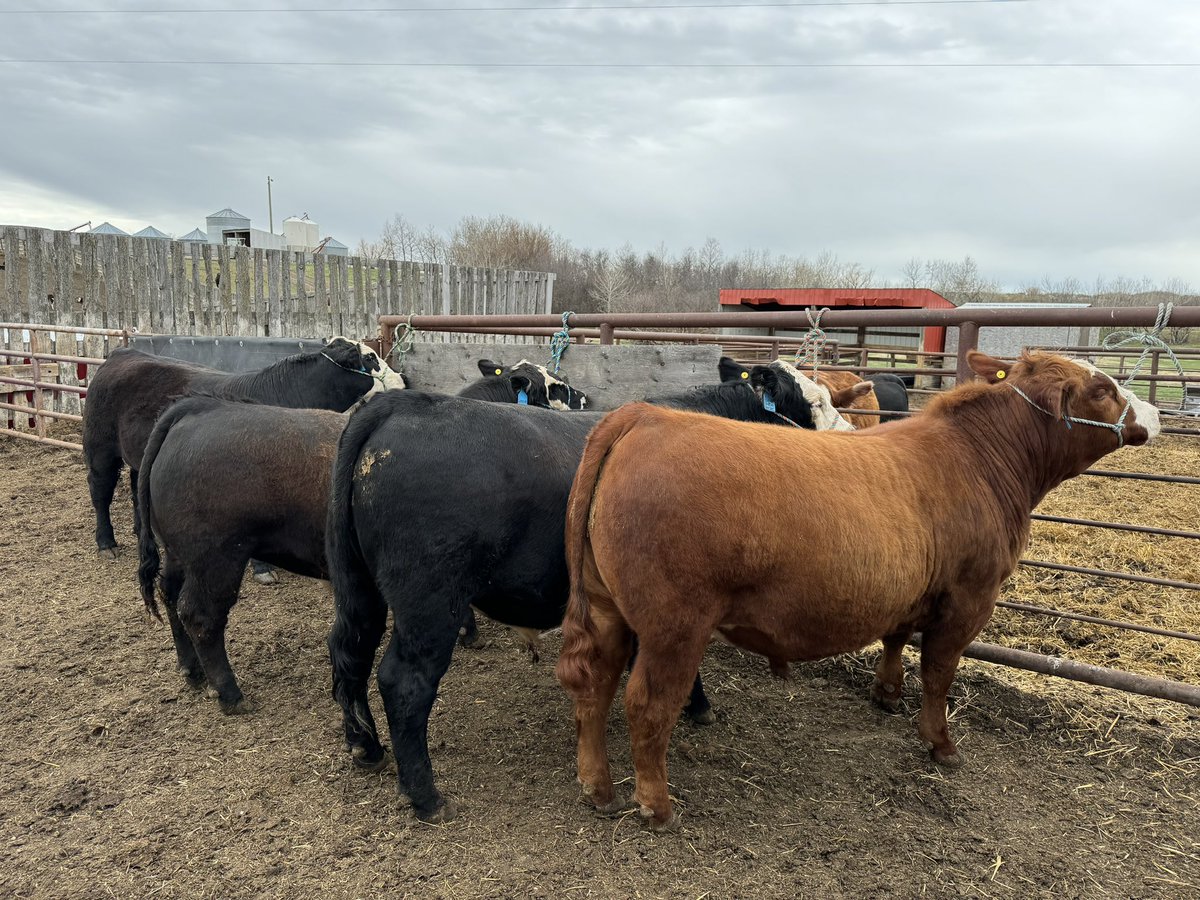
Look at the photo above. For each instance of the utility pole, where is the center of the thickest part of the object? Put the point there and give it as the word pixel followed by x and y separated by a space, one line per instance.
pixel 270 212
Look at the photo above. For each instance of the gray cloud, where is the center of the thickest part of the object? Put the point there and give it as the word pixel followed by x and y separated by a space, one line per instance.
pixel 1079 171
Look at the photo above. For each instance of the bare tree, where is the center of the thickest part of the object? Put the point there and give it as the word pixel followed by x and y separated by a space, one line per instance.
pixel 610 287
pixel 501 242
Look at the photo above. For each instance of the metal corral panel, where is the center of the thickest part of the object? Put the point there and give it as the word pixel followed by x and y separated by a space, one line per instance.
pixel 779 298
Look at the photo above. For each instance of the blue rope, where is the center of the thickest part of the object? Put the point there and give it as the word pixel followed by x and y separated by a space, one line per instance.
pixel 561 341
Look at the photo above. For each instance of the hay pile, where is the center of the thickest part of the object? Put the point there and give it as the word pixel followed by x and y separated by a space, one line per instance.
pixel 1133 502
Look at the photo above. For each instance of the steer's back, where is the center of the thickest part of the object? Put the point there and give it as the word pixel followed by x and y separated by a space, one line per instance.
pixel 446 488
pixel 126 395
pixel 246 474
pixel 822 535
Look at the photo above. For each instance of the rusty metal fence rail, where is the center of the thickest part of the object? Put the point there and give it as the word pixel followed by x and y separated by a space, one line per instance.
pixel 39 390
pixel 607 329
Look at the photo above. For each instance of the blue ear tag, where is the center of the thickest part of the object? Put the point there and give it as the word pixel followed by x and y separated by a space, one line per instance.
pixel 768 402
pixel 522 398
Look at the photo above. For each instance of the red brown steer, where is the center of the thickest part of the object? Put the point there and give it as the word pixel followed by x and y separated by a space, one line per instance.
pixel 943 501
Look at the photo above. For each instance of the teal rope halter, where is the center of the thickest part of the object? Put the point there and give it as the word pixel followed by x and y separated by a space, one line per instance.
pixel 403 339
pixel 561 341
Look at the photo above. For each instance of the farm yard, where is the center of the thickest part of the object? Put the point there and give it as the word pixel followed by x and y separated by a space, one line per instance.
pixel 122 781
pixel 836 350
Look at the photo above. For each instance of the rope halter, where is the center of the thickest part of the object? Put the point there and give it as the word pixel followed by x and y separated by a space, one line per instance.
pixel 1149 341
pixel 403 340
pixel 814 340
pixel 561 341
pixel 1117 426
pixel 378 376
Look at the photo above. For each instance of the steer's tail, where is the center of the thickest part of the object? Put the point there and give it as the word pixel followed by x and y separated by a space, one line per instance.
pixel 578 631
pixel 148 559
pixel 360 612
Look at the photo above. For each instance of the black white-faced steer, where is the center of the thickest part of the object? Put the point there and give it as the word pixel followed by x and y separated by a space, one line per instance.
pixel 424 523
pixel 525 383
pixel 131 388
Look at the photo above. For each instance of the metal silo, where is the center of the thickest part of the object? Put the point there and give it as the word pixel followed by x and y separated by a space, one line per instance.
pixel 227 223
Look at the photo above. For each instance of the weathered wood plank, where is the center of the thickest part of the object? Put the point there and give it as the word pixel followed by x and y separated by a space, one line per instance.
pixel 179 289
pixel 303 324
pixel 259 305
pixel 225 289
pixel 320 295
pixel 207 320
pixel 15 309
pixel 243 301
pixel 35 296
pixel 276 288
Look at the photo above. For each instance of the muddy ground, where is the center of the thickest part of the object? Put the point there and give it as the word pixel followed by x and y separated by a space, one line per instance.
pixel 117 780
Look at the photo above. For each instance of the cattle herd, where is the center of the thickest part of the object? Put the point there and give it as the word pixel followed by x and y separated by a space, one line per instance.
pixel 725 512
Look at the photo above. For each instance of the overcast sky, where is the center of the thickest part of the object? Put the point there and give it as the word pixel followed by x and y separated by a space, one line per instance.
pixel 1034 171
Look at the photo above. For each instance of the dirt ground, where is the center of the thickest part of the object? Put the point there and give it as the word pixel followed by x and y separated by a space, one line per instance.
pixel 117 780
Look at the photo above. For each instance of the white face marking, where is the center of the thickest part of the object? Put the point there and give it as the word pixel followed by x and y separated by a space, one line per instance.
pixel 383 378
pixel 818 397
pixel 547 380
pixel 1147 415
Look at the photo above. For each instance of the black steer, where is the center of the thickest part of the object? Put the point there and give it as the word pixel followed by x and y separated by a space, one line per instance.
pixel 438 505
pixel 891 393
pixel 131 388
pixel 223 482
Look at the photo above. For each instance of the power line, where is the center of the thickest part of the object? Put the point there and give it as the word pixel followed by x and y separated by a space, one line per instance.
pixel 599 7
pixel 361 64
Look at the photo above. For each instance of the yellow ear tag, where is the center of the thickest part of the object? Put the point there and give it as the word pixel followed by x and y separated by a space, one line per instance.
pixel 745 375
pixel 1000 373
pixel 499 371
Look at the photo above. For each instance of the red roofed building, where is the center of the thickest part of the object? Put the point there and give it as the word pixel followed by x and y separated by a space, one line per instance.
pixel 933 339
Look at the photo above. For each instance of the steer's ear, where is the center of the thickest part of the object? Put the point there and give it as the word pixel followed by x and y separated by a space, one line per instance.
pixel 846 396
pixel 488 368
pixel 521 384
pixel 988 367
pixel 731 371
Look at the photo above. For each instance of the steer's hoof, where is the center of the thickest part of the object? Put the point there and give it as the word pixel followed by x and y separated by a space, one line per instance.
pixel 953 760
pixel 670 824
pixel 707 717
pixel 194 678
pixel 369 760
pixel 267 577
pixel 439 816
pixel 107 552
pixel 886 697
pixel 615 805
pixel 239 707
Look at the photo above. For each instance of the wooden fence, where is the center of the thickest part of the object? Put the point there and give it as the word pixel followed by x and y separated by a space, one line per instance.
pixel 171 287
